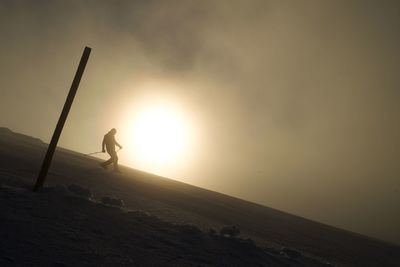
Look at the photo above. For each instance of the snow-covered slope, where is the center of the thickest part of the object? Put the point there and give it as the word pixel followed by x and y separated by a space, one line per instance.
pixel 54 227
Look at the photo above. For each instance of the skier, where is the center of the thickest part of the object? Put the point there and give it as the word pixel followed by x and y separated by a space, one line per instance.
pixel 109 142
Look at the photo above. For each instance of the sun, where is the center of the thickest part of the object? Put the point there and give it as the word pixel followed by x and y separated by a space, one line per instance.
pixel 159 138
pixel 159 135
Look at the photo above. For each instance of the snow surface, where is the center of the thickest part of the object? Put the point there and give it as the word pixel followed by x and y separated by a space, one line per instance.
pixel 162 223
pixel 54 227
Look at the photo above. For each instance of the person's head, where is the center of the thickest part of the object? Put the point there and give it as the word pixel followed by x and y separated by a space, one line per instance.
pixel 113 131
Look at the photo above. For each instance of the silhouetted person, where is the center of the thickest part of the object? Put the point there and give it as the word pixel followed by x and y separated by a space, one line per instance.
pixel 109 143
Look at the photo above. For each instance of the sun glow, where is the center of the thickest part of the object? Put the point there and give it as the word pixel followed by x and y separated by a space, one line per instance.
pixel 159 135
pixel 159 138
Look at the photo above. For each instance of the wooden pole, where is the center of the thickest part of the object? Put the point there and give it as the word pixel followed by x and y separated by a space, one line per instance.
pixel 61 121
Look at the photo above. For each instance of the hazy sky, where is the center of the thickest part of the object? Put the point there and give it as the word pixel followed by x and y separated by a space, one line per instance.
pixel 292 104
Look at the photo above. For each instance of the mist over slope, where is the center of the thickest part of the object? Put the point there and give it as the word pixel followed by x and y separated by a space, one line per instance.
pixel 77 225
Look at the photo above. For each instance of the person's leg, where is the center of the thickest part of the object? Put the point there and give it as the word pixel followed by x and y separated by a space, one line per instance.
pixel 108 162
pixel 114 159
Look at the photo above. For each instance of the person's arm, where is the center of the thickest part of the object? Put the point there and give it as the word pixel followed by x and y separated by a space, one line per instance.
pixel 118 145
pixel 103 144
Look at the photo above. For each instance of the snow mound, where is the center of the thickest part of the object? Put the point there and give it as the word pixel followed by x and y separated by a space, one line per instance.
pixel 80 191
pixel 291 253
pixel 229 231
pixel 112 201
pixel 10 136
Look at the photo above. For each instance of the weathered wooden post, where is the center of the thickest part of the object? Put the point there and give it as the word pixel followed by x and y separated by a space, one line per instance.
pixel 61 121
